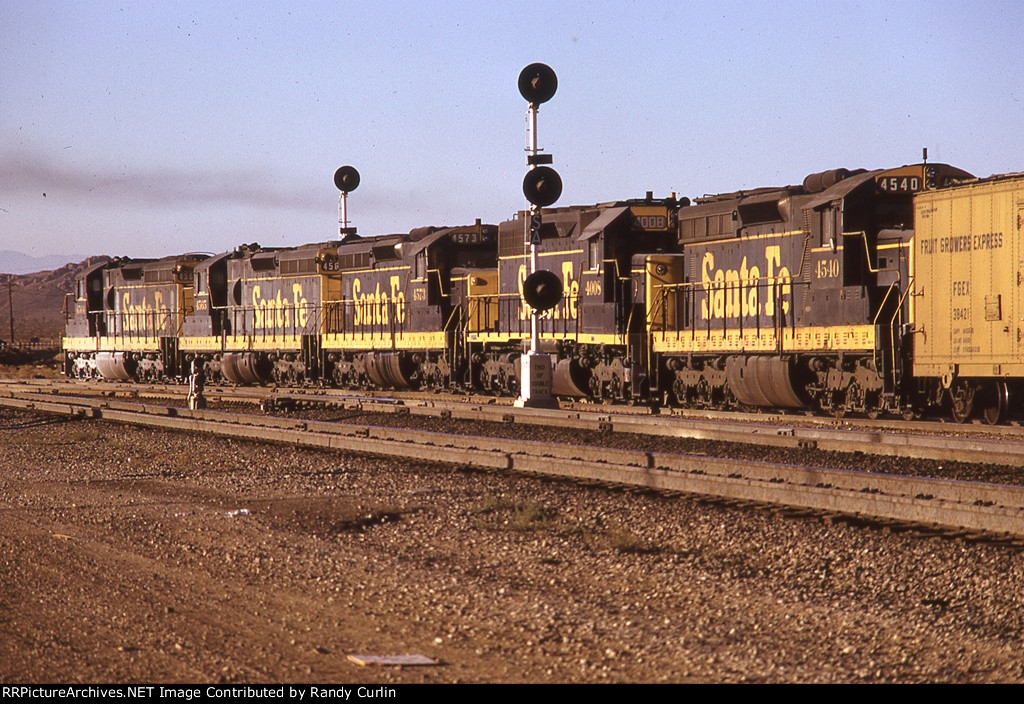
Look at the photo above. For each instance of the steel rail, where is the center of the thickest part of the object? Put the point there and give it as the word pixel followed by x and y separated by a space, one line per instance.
pixel 949 504
pixel 1013 429
pixel 1003 448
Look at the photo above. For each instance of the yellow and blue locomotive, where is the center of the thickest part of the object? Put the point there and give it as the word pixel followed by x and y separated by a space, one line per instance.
pixel 127 317
pixel 600 319
pixel 792 297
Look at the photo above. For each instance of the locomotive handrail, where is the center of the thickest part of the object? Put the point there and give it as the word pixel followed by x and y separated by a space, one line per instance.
pixel 906 294
pixel 881 305
pixel 778 316
pixel 892 333
pixel 271 330
pixel 510 307
pixel 618 274
pixel 450 317
pixel 314 320
pixel 146 326
pixel 872 268
pixel 440 282
pixel 897 312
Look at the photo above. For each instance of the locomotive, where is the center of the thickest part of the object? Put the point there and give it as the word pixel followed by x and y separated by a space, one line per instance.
pixel 354 311
pixel 794 297
pixel 833 294
pixel 600 322
pixel 126 317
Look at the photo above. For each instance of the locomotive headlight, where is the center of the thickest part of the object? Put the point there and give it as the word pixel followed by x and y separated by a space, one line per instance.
pixel 661 270
pixel 931 172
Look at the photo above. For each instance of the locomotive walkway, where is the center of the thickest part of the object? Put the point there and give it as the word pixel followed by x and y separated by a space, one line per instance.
pixel 957 505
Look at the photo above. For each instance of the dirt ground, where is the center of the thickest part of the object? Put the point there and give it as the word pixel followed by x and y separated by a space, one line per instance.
pixel 130 555
pixel 40 369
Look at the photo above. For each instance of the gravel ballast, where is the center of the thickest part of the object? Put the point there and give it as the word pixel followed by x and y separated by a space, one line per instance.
pixel 130 554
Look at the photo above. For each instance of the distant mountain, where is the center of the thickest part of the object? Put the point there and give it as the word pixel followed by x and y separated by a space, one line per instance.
pixel 12 262
pixel 38 300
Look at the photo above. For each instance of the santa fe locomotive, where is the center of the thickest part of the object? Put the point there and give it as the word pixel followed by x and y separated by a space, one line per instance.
pixel 892 291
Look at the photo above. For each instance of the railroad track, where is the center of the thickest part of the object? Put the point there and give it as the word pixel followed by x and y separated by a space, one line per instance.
pixel 926 440
pixel 956 505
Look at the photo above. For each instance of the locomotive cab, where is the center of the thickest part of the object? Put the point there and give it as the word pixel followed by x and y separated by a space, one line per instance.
pixel 85 323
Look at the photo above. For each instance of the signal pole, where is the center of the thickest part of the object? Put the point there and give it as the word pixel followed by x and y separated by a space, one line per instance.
pixel 542 290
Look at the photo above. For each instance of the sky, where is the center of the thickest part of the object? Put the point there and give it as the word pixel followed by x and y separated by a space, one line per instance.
pixel 153 128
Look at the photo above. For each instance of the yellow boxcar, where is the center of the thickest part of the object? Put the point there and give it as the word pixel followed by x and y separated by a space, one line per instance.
pixel 968 274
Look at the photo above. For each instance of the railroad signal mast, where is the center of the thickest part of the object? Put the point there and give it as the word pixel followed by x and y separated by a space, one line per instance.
pixel 542 289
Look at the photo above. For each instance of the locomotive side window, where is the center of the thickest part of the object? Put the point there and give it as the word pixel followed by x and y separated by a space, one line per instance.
pixel 828 229
pixel 594 254
pixel 218 280
pixel 420 265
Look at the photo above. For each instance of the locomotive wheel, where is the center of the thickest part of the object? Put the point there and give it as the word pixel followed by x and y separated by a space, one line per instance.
pixel 874 407
pixel 961 396
pixel 854 397
pixel 615 387
pixel 703 395
pixel 823 399
pixel 679 393
pixel 997 400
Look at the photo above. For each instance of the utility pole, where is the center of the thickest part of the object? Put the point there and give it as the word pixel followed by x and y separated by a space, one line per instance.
pixel 10 303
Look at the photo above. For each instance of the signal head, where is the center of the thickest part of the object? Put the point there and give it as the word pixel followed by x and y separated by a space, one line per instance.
pixel 542 289
pixel 537 83
pixel 542 186
pixel 346 179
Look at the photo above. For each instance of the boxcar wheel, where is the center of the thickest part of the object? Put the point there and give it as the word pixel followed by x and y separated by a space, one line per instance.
pixel 961 397
pixel 997 400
